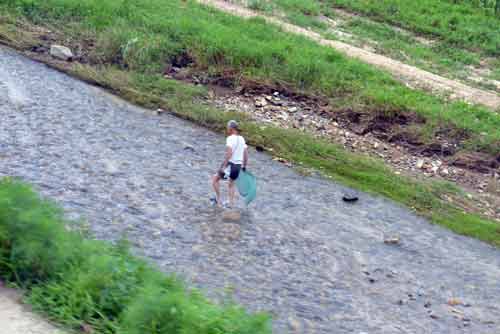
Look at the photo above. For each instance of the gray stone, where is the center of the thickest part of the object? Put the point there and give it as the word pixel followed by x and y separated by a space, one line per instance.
pixel 391 240
pixel 61 52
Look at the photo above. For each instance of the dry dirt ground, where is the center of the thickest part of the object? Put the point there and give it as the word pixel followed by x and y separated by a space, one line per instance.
pixel 412 76
pixel 15 318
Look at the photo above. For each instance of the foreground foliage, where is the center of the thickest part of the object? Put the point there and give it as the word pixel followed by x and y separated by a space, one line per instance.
pixel 80 282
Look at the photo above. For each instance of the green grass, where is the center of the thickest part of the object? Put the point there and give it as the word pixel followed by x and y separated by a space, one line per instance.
pixel 495 75
pixel 79 281
pixel 144 36
pixel 456 23
pixel 405 47
pixel 443 57
pixel 433 56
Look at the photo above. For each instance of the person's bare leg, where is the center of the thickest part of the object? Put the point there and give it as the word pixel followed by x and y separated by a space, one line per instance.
pixel 216 187
pixel 232 192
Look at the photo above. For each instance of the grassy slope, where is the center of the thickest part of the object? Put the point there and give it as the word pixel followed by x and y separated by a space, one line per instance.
pixel 442 56
pixel 142 46
pixel 79 281
pixel 446 58
pixel 463 24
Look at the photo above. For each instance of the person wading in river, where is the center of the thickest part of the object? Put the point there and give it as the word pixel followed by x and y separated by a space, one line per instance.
pixel 235 160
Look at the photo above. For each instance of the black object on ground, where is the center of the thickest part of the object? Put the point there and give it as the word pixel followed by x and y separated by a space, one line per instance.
pixel 350 197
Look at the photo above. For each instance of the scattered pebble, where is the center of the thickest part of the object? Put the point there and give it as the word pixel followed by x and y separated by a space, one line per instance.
pixel 392 241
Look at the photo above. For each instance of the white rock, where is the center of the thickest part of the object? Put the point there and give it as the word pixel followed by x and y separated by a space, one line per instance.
pixel 61 52
pixel 445 172
pixel 260 102
pixel 292 109
pixel 376 145
pixel 420 163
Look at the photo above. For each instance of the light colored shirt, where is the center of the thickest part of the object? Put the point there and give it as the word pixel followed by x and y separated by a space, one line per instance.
pixel 238 145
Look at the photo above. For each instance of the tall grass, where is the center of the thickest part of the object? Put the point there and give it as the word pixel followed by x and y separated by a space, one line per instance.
pixel 78 281
pixel 146 35
pixel 471 24
pixel 459 23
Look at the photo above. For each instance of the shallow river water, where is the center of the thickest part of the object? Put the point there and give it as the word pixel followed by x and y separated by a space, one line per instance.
pixel 319 265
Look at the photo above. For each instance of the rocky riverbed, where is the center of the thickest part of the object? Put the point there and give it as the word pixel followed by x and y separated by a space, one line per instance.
pixel 319 265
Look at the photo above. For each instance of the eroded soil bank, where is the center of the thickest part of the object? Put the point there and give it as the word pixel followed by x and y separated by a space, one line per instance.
pixel 318 264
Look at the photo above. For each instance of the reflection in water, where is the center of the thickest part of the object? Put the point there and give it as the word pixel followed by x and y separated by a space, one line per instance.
pixel 12 92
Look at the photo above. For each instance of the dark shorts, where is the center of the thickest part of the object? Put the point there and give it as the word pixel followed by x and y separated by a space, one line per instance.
pixel 232 171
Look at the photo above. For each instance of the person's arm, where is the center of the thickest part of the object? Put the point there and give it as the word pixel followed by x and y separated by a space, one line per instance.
pixel 227 156
pixel 245 158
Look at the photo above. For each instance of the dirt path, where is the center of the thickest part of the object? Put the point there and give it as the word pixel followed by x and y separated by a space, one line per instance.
pixel 319 265
pixel 406 73
pixel 17 319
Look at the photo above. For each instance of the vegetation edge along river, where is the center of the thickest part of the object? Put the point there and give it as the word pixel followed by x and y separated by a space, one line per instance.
pixel 131 70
